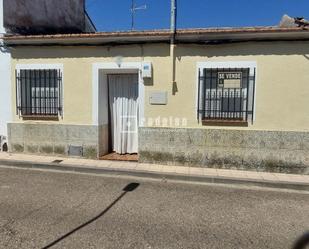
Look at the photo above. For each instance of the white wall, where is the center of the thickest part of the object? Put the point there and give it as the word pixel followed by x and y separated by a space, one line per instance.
pixel 5 81
pixel 5 92
pixel 1 17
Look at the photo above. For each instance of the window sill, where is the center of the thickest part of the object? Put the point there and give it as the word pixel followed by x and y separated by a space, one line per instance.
pixel 42 117
pixel 225 122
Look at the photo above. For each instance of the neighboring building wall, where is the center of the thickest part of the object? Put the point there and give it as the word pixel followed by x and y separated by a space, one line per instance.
pixel 5 81
pixel 5 91
pixel 281 89
pixel 45 16
pixel 1 17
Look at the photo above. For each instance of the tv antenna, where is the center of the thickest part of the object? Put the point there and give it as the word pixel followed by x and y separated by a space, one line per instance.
pixel 133 9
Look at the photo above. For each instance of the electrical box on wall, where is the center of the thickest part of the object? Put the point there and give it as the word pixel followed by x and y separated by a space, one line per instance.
pixel 158 98
pixel 146 69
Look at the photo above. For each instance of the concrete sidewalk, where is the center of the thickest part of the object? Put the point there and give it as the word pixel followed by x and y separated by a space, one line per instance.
pixel 207 175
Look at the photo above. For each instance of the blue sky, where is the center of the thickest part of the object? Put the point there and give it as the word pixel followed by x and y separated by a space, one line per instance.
pixel 110 15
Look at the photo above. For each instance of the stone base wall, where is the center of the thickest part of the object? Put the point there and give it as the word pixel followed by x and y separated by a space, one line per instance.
pixel 271 151
pixel 55 139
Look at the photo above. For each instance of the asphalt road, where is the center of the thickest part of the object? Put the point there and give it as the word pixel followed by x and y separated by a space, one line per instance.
pixel 66 210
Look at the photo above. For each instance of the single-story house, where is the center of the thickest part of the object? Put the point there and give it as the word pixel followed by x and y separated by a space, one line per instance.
pixel 228 98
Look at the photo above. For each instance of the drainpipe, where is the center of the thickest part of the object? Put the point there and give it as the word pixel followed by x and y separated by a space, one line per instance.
pixel 172 43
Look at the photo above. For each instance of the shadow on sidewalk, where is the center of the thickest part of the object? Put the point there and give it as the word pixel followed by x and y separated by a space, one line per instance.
pixel 129 188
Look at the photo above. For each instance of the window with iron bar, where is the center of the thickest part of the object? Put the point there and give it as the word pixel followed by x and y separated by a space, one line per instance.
pixel 226 95
pixel 38 92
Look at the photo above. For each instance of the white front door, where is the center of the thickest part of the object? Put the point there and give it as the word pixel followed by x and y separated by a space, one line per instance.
pixel 123 104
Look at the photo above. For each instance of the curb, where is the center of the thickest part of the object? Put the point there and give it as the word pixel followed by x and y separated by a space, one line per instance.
pixel 154 175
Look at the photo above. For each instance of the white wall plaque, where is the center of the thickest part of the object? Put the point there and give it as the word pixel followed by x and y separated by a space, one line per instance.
pixel 158 98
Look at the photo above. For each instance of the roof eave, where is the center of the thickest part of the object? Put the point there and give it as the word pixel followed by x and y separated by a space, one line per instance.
pixel 183 36
pixel 243 37
pixel 86 41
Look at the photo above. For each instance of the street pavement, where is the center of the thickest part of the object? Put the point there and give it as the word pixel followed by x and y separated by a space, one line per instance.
pixel 45 209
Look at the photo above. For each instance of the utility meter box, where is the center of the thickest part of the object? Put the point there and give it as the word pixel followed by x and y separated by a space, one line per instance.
pixel 158 98
pixel 146 70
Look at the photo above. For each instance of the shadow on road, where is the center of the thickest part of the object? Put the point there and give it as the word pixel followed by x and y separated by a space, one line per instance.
pixel 129 188
pixel 302 242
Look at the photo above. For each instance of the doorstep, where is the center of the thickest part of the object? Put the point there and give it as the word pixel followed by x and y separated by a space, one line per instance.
pixel 113 156
pixel 183 173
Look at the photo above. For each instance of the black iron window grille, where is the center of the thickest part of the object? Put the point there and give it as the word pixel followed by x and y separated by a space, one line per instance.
pixel 226 94
pixel 38 92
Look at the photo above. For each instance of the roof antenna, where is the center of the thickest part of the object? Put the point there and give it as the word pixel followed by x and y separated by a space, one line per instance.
pixel 133 9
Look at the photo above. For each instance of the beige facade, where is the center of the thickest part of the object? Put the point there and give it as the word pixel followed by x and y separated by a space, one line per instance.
pixel 276 140
pixel 282 80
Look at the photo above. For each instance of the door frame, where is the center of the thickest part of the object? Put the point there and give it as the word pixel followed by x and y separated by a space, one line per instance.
pixel 113 67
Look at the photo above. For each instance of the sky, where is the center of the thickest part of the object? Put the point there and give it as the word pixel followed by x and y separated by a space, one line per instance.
pixel 115 15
